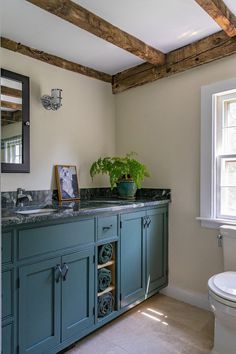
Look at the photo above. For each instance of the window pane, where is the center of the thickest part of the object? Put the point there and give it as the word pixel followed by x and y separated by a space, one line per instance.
pixel 230 118
pixel 229 140
pixel 228 201
pixel 228 172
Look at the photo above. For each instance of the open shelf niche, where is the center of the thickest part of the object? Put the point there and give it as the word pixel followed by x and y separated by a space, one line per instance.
pixel 106 281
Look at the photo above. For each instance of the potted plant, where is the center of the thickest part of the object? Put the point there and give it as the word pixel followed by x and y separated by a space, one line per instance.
pixel 125 172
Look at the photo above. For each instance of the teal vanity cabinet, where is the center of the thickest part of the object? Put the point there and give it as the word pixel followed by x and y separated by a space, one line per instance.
pixel 156 249
pixel 8 293
pixel 107 261
pixel 77 292
pixel 56 300
pixel 39 310
pixel 132 257
pixel 143 254
pixel 50 269
pixel 53 285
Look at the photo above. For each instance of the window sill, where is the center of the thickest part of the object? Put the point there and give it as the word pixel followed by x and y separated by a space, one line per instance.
pixel 212 223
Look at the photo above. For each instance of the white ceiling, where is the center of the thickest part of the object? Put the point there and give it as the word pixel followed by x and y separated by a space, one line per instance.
pixel 164 24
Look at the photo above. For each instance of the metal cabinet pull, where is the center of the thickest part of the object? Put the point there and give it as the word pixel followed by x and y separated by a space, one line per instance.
pixel 144 222
pixel 149 222
pixel 106 228
pixel 65 269
pixel 59 271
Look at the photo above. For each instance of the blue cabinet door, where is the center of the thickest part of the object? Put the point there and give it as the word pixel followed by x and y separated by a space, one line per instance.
pixel 7 339
pixel 39 306
pixel 132 253
pixel 156 249
pixel 7 294
pixel 77 293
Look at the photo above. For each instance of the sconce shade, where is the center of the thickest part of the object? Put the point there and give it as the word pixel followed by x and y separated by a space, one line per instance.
pixel 52 102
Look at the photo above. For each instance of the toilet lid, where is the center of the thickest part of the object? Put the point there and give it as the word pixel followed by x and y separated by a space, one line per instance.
pixel 224 285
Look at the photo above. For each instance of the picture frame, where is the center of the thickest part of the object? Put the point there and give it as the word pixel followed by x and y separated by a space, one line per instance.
pixel 67 182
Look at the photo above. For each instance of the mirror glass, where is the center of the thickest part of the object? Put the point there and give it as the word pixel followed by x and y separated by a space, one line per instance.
pixel 15 122
pixel 11 121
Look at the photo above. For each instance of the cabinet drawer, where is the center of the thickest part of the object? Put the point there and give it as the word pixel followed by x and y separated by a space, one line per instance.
pixel 7 339
pixel 7 249
pixel 107 227
pixel 7 293
pixel 41 240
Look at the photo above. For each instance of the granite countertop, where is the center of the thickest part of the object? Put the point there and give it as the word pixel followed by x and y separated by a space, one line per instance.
pixel 11 216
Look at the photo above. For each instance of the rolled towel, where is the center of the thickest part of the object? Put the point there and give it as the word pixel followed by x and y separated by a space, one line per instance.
pixel 105 304
pixel 104 279
pixel 105 253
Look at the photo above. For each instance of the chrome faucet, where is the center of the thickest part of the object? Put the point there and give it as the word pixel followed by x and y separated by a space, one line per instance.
pixel 21 197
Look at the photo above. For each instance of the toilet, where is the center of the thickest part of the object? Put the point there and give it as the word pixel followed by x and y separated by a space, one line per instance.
pixel 222 296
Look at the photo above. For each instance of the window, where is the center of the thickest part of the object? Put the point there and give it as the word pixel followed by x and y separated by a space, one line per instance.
pixel 225 156
pixel 218 154
pixel 12 149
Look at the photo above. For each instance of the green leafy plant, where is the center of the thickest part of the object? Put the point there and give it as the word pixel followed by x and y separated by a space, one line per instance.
pixel 120 168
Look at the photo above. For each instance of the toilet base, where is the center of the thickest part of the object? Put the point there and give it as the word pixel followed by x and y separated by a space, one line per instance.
pixel 224 339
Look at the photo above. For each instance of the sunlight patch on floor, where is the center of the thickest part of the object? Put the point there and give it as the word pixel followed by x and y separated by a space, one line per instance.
pixel 155 318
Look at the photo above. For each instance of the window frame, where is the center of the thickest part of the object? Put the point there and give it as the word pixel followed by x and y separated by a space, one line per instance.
pixel 221 101
pixel 208 183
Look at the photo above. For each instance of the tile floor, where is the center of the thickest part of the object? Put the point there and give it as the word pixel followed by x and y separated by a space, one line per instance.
pixel 160 325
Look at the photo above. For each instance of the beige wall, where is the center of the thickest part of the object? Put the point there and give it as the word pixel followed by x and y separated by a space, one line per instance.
pixel 161 122
pixel 81 131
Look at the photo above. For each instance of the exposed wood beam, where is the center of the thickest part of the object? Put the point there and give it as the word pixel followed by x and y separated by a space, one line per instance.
pixel 80 17
pixel 221 14
pixel 9 91
pixel 206 50
pixel 53 60
pixel 11 105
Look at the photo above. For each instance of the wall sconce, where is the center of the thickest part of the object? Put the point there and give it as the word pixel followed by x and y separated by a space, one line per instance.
pixel 52 102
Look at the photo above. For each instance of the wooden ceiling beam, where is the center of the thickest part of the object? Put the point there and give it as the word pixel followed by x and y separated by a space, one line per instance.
pixel 11 105
pixel 54 60
pixel 88 21
pixel 206 50
pixel 9 91
pixel 221 14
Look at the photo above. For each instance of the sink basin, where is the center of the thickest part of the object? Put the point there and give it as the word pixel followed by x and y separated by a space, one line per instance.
pixel 35 211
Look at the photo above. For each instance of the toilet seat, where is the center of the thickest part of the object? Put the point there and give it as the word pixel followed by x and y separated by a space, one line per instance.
pixel 223 285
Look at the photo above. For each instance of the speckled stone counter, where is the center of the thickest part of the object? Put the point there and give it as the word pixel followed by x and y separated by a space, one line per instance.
pixel 11 216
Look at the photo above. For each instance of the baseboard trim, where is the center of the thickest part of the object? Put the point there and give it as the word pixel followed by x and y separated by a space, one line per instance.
pixel 188 296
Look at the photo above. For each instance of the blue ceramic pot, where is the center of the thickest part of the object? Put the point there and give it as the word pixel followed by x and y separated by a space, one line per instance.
pixel 126 189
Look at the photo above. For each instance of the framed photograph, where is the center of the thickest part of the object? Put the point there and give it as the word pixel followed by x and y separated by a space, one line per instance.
pixel 67 182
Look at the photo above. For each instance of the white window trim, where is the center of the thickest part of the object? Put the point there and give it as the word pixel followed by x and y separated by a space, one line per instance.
pixel 207 214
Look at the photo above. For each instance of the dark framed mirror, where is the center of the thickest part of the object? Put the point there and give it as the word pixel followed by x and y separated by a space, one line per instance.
pixel 15 122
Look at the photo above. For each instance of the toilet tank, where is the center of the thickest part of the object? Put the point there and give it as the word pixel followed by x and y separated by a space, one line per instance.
pixel 229 246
